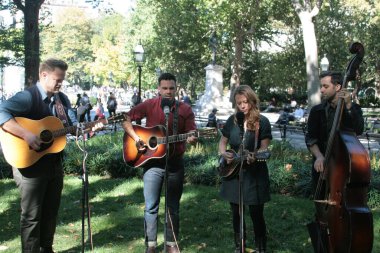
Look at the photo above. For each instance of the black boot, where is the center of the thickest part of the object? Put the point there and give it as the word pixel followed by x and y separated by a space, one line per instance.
pixel 237 242
pixel 261 244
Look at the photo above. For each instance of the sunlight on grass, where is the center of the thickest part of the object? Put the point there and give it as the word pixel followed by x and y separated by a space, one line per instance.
pixel 117 207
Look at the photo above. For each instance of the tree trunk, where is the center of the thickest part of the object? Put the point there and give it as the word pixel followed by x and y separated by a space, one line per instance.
pixel 31 10
pixel 238 61
pixel 31 41
pixel 311 56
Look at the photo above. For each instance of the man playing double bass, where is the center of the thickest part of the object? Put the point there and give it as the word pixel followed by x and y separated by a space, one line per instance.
pixel 320 123
pixel 321 118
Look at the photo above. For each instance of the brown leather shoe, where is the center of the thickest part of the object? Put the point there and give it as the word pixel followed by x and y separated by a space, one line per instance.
pixel 150 250
pixel 172 249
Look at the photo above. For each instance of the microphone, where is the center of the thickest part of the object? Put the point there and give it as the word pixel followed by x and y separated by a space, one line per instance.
pixel 240 121
pixel 165 105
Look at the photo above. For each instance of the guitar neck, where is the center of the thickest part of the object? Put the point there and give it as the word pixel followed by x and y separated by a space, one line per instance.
pixel 175 138
pixel 72 129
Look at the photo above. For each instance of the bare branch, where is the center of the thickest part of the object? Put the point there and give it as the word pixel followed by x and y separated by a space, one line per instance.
pixel 297 6
pixel 314 12
pixel 40 3
pixel 19 5
pixel 319 4
pixel 307 4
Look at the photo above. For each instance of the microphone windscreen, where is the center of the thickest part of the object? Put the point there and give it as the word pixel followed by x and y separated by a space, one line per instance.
pixel 166 109
pixel 165 102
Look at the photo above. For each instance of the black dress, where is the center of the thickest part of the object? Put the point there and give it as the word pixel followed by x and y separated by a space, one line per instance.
pixel 256 178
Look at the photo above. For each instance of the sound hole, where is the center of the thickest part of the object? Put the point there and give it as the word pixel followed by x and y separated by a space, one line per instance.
pixel 47 140
pixel 153 142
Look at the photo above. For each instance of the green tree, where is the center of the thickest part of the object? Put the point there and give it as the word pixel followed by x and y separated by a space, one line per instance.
pixel 108 46
pixel 70 40
pixel 181 40
pixel 31 10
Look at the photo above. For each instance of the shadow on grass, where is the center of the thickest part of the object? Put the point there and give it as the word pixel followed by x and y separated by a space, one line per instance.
pixel 10 215
pixel 117 207
pixel 114 219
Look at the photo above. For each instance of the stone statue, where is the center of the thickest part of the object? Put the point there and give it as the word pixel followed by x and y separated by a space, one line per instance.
pixel 213 43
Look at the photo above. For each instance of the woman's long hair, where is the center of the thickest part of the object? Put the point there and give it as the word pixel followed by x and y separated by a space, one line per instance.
pixel 254 113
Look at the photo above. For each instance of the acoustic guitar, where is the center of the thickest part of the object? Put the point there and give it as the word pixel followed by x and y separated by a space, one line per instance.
pixel 155 140
pixel 52 134
pixel 228 171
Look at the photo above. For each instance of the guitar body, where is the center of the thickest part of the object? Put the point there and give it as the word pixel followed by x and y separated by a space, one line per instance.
pixel 228 171
pixel 155 141
pixel 18 153
pixel 154 150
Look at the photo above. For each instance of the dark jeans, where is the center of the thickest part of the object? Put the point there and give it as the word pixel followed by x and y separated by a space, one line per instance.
pixel 40 188
pixel 153 182
pixel 111 112
pixel 257 215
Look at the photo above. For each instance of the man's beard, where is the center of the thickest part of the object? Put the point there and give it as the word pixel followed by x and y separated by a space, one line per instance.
pixel 327 99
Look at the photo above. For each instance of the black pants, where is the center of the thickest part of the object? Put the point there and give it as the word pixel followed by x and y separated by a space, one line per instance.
pixel 40 188
pixel 257 215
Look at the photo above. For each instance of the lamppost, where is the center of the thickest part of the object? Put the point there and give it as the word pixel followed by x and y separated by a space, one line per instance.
pixel 324 63
pixel 139 59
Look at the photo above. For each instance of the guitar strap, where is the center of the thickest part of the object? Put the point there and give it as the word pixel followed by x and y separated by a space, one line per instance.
pixel 60 110
pixel 257 127
pixel 175 123
pixel 175 118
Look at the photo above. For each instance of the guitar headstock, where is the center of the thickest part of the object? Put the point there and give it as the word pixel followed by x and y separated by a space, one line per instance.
pixel 262 155
pixel 207 132
pixel 118 117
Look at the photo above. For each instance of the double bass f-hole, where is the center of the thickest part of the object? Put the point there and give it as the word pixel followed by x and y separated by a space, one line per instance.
pixel 342 214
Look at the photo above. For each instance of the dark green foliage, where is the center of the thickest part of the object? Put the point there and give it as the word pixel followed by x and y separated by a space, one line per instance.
pixel 374 193
pixel 290 170
pixel 104 157
pixel 201 162
pixel 370 101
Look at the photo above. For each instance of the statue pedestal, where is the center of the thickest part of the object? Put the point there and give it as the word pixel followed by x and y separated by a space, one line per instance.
pixel 213 95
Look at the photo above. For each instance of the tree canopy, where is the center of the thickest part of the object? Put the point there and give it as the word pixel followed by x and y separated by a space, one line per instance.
pixel 262 43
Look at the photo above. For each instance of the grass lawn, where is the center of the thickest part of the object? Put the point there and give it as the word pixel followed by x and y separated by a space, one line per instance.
pixel 117 207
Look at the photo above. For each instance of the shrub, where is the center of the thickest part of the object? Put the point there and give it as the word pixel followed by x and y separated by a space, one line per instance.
pixel 104 157
pixel 289 169
pixel 201 162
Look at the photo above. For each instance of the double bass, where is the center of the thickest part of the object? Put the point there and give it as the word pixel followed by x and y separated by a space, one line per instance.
pixel 344 222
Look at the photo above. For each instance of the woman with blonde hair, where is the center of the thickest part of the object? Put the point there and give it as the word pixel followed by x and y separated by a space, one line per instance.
pixel 255 188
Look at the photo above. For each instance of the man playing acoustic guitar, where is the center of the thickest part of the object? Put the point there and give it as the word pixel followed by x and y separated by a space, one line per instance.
pixel 41 183
pixel 181 121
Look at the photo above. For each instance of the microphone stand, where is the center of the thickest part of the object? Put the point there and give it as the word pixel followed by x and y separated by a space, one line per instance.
pixel 241 194
pixel 84 200
pixel 166 179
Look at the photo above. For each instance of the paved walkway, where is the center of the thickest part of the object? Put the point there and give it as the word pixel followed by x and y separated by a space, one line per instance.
pixel 297 140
